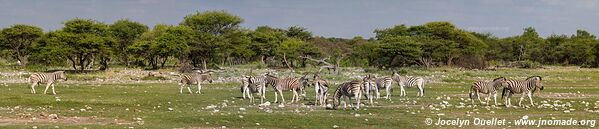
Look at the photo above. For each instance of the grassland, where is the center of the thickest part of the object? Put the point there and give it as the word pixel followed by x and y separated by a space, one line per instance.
pixel 160 105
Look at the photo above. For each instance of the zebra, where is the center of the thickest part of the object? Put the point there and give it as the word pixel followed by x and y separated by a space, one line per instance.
pixel 526 87
pixel 486 87
pixel 383 83
pixel 321 86
pixel 406 81
pixel 261 82
pixel 369 87
pixel 194 79
pixel 348 90
pixel 47 78
pixel 293 84
pixel 248 88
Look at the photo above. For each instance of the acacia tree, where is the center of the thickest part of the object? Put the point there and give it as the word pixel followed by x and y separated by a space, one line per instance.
pixel 80 42
pixel 126 32
pixel 265 40
pixel 18 39
pixel 210 26
pixel 162 42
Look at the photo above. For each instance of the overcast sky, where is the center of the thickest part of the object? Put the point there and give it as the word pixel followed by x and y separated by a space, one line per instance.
pixel 329 18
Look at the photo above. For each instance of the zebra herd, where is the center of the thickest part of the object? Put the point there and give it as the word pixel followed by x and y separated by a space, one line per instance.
pixel 510 87
pixel 368 87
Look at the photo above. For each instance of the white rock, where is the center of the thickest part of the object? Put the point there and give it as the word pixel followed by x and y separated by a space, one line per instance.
pixel 525 117
pixel 335 126
pixel 170 109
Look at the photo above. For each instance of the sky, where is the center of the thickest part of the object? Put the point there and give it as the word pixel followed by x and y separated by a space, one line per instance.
pixel 328 18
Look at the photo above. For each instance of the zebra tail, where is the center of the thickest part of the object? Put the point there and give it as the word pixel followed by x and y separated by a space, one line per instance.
pixel 503 92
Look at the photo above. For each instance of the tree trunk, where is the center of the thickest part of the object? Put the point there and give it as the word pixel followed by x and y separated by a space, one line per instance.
pixel 204 64
pixel 287 63
pixel 262 58
pixel 163 62
pixel 21 58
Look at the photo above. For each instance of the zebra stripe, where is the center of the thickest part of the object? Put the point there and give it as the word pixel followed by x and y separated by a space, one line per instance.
pixel 408 82
pixel 321 86
pixel 369 88
pixel 248 88
pixel 525 87
pixel 46 78
pixel 486 87
pixel 348 90
pixel 383 83
pixel 194 79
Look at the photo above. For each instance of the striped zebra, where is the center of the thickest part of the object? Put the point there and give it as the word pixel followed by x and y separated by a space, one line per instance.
pixel 407 82
pixel 486 87
pixel 383 83
pixel 46 78
pixel 526 87
pixel 296 85
pixel 321 86
pixel 261 82
pixel 248 88
pixel 369 88
pixel 348 90
pixel 194 79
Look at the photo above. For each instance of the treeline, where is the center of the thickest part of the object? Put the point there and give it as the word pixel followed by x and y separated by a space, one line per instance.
pixel 214 38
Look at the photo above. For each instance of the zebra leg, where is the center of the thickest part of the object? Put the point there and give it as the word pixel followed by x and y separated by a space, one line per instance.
pixel 180 89
pixel 495 98
pixel 358 102
pixel 345 102
pixel 295 97
pixel 282 97
pixel 199 88
pixel 378 94
pixel 276 96
pixel 530 98
pixel 33 87
pixel 47 86
pixel 54 92
pixel 189 89
pixel 521 98
pixel 388 89
pixel 488 98
pixel 402 91
pixel 478 97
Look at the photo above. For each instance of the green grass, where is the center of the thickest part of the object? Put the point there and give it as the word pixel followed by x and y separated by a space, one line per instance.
pixel 150 102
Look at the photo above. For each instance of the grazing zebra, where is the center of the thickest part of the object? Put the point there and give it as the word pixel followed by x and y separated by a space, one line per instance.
pixel 47 78
pixel 385 83
pixel 293 84
pixel 248 88
pixel 486 87
pixel 526 87
pixel 321 87
pixel 194 79
pixel 348 90
pixel 406 81
pixel 369 87
pixel 261 82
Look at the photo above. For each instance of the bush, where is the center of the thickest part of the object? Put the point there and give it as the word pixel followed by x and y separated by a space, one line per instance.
pixel 527 64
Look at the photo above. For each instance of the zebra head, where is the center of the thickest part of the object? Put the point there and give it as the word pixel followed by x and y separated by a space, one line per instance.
pixel 208 76
pixel 61 75
pixel 305 81
pixel 537 81
pixel 368 80
pixel 499 82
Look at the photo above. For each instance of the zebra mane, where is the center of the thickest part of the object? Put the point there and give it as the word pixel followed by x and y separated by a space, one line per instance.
pixel 498 78
pixel 534 77
pixel 268 75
